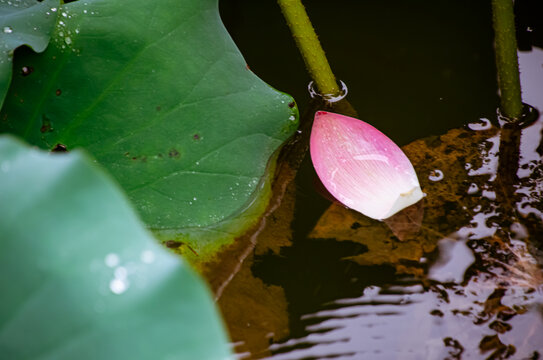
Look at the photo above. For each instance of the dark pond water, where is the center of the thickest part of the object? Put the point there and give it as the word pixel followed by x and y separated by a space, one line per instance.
pixel 323 282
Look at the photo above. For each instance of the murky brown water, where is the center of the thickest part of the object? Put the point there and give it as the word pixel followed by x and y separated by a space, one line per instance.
pixel 319 281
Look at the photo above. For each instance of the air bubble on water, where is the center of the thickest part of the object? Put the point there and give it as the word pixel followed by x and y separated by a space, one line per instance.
pixel 473 188
pixel 477 208
pixel 490 195
pixel 436 175
pixel 467 166
pixel 8 30
pixel 484 124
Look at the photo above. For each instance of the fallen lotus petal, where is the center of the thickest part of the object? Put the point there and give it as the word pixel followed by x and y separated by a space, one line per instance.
pixel 361 167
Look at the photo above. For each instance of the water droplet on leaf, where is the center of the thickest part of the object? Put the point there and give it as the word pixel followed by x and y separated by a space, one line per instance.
pixel 26 70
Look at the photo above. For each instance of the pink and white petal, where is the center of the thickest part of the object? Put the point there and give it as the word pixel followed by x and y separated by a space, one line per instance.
pixel 361 167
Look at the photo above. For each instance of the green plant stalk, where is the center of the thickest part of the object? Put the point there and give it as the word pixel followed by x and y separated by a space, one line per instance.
pixel 507 58
pixel 309 46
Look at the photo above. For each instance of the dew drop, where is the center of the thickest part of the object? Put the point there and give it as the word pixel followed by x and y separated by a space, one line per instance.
pixel 112 260
pixel 68 40
pixel 26 70
pixel 121 273
pixel 8 30
pixel 118 286
pixel 147 257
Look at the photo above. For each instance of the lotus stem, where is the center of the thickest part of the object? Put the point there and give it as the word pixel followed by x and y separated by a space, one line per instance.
pixel 507 58
pixel 309 46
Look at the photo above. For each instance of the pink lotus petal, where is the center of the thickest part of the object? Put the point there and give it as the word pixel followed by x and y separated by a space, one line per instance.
pixel 361 167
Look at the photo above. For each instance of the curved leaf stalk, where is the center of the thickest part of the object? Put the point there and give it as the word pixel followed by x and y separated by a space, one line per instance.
pixel 309 46
pixel 506 58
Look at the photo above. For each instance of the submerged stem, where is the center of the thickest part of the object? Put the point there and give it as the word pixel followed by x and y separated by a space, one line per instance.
pixel 310 47
pixel 506 58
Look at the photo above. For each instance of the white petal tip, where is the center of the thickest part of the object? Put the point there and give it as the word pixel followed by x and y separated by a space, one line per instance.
pixel 404 200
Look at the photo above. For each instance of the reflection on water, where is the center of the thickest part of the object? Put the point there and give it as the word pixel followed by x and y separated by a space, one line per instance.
pixel 465 282
pixel 467 285
pixel 407 320
pixel 477 292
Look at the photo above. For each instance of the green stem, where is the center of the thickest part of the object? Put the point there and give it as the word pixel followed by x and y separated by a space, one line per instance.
pixel 506 58
pixel 310 47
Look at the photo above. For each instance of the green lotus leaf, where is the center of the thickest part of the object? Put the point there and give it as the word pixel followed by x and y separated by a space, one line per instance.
pixel 159 94
pixel 80 276
pixel 23 22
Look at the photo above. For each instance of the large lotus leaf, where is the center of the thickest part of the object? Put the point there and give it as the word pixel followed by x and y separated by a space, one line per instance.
pixel 82 279
pixel 23 22
pixel 160 95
